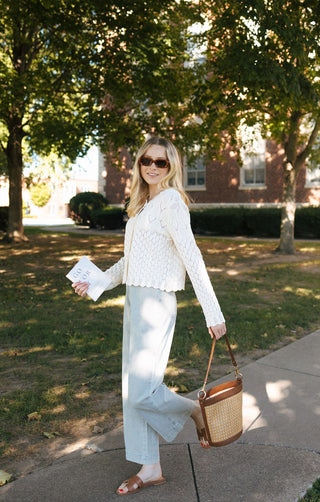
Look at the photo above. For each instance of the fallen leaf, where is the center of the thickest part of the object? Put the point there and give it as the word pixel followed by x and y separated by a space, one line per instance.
pixel 34 416
pixel 4 477
pixel 97 429
pixel 49 435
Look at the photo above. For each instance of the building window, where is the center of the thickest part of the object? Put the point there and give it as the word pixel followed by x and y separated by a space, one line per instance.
pixel 312 177
pixel 195 174
pixel 253 170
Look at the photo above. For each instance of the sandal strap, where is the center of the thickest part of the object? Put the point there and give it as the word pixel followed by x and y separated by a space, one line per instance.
pixel 131 482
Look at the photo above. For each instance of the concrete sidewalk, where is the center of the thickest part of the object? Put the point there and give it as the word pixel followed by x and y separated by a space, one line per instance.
pixel 275 460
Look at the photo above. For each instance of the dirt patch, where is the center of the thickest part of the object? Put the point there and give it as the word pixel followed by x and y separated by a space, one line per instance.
pixel 34 451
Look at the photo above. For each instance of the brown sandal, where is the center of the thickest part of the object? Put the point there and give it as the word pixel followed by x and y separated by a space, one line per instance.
pixel 135 480
pixel 202 436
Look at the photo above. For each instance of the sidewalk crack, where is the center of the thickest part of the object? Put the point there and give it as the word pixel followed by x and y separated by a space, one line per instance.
pixel 288 369
pixel 193 473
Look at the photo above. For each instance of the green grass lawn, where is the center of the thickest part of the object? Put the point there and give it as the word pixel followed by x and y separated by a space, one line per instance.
pixel 312 494
pixel 60 355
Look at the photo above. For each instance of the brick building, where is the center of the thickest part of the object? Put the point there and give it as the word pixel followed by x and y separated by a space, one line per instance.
pixel 258 182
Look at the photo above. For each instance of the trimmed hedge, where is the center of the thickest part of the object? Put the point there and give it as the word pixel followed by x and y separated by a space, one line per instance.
pixel 217 221
pixel 4 217
pixel 108 218
pixel 261 222
pixel 307 223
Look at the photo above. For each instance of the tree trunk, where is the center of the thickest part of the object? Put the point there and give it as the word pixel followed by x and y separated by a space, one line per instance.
pixel 291 167
pixel 14 157
pixel 288 211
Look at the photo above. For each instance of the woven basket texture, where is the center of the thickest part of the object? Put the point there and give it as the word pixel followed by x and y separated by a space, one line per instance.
pixel 225 418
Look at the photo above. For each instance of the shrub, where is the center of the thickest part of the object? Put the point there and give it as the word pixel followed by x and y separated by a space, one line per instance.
pixel 83 204
pixel 109 218
pixel 307 223
pixel 257 222
pixel 4 217
pixel 218 221
pixel 262 222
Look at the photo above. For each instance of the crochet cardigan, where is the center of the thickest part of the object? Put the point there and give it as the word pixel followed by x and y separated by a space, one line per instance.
pixel 159 247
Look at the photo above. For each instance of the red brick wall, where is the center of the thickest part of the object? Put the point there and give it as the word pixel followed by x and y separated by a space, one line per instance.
pixel 223 183
pixel 118 179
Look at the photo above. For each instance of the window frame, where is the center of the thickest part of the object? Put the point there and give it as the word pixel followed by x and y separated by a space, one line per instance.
pixel 254 160
pixel 195 168
pixel 309 172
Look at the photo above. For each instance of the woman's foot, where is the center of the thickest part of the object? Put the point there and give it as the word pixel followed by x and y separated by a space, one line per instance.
pixel 149 474
pixel 196 415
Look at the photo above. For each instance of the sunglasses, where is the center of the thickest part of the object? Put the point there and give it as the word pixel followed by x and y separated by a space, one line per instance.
pixel 148 161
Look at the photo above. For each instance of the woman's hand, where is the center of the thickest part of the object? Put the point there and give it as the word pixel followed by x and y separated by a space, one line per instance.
pixel 81 288
pixel 218 330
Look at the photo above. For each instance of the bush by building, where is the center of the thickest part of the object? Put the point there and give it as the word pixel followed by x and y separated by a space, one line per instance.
pixel 307 223
pixel 258 222
pixel 108 218
pixel 82 206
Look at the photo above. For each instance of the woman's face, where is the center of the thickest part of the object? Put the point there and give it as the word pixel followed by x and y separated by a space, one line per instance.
pixel 152 174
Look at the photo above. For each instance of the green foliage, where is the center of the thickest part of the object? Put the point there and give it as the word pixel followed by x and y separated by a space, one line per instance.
pixel 307 222
pixel 313 494
pixel 60 61
pixel 83 204
pixel 263 66
pixel 220 221
pixel 110 218
pixel 3 164
pixel 40 194
pixel 41 168
pixel 79 72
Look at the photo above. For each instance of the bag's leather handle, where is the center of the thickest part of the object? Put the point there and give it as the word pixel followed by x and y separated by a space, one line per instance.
pixel 237 374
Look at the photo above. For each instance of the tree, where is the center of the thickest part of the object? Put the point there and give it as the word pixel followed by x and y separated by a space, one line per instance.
pixel 40 194
pixel 263 66
pixel 73 70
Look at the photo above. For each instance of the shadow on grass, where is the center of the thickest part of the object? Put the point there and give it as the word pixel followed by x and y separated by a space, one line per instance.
pixel 60 354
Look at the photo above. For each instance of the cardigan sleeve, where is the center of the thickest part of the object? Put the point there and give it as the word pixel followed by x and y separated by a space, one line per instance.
pixel 179 228
pixel 115 274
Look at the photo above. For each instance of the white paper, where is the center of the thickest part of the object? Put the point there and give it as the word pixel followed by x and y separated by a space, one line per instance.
pixel 86 271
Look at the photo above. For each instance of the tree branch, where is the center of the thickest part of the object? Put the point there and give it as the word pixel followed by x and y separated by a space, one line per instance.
pixel 302 157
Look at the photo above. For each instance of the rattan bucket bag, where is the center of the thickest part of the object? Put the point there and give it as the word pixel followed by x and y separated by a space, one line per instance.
pixel 221 406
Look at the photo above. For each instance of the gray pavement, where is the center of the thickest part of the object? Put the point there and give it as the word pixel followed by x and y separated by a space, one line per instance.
pixel 276 459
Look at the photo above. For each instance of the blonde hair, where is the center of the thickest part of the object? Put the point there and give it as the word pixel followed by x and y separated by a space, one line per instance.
pixel 140 189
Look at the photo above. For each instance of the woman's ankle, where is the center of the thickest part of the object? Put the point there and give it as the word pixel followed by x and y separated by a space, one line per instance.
pixel 150 471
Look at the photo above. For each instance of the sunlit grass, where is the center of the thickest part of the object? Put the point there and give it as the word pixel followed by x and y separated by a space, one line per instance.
pixel 59 353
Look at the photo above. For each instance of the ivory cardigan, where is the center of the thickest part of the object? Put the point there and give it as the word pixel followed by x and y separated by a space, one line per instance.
pixel 159 248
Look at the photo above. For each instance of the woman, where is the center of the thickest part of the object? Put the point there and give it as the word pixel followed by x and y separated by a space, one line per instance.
pixel 159 248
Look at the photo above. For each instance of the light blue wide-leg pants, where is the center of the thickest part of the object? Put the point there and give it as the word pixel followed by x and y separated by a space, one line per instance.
pixel 149 407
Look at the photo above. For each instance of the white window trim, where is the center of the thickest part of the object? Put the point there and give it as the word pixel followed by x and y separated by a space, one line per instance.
pixel 308 183
pixel 194 188
pixel 254 145
pixel 248 186
pixel 252 187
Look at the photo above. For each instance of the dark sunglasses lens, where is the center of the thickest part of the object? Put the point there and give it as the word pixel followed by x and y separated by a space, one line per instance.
pixel 161 163
pixel 145 161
